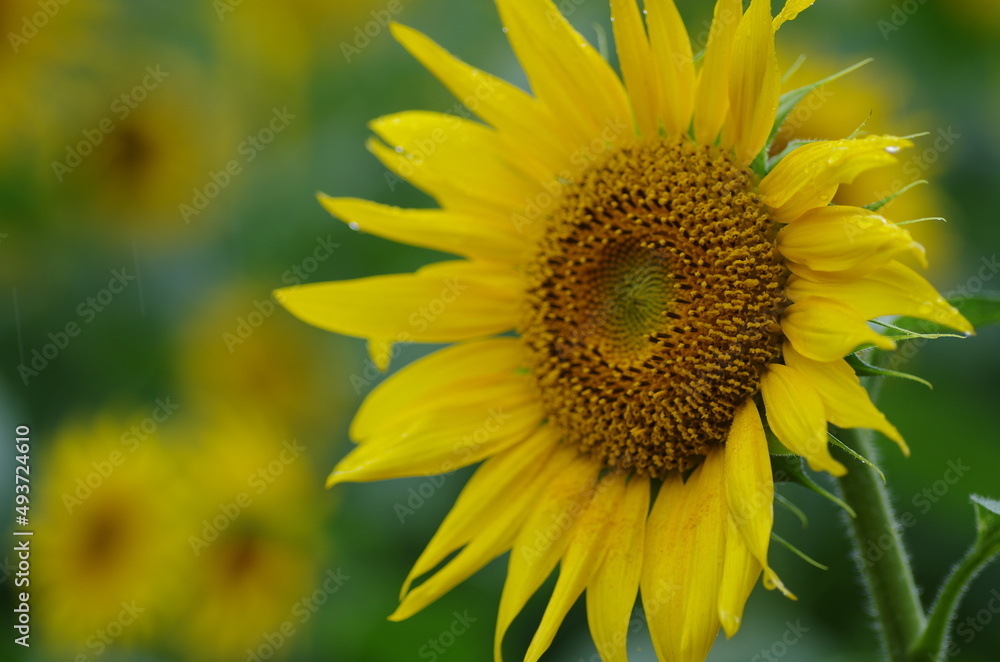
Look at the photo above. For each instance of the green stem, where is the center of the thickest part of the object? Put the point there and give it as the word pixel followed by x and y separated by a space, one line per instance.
pixel 882 559
pixel 932 643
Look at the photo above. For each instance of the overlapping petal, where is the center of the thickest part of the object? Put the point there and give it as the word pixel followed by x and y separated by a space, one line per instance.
pixel 849 240
pixel 796 416
pixel 674 64
pixel 810 176
pixel 682 568
pixel 754 82
pixel 827 330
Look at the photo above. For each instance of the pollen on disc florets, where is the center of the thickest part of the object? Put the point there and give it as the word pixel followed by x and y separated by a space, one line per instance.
pixel 653 304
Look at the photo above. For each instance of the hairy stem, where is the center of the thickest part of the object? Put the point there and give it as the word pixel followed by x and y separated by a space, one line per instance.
pixel 881 556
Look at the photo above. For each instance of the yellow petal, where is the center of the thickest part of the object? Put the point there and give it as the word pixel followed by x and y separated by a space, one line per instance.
pixel 444 302
pixel 638 66
pixel 750 488
pixel 525 124
pixel 437 229
pixel 791 9
pixel 612 592
pixel 810 176
pixel 712 97
pixel 796 416
pixel 442 441
pixel 845 239
pixel 683 564
pixel 543 539
pixel 449 157
pixel 566 74
pixel 754 82
pixel 494 540
pixel 845 401
pixel 485 498
pixel 892 289
pixel 739 576
pixel 827 330
pixel 580 562
pixel 432 380
pixel 674 64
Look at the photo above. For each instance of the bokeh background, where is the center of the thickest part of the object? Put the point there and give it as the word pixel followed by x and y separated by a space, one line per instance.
pixel 158 170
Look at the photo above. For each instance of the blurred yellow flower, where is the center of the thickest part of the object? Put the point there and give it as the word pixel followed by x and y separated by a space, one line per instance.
pixel 238 350
pixel 155 156
pixel 38 60
pixel 110 553
pixel 875 97
pixel 253 538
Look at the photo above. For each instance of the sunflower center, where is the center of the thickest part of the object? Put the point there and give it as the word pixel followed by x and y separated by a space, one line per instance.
pixel 653 305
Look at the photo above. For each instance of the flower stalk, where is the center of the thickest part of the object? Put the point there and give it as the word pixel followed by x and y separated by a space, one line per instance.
pixel 880 553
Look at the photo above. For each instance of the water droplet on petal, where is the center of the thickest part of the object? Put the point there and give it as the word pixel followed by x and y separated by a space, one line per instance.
pixel 892 149
pixel 354 226
pixel 399 149
pixel 925 308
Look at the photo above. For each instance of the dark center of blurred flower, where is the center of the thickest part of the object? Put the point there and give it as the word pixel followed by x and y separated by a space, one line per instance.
pixel 653 305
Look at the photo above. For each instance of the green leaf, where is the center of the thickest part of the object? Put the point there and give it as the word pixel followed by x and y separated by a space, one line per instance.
pixel 864 369
pixel 790 469
pixel 875 206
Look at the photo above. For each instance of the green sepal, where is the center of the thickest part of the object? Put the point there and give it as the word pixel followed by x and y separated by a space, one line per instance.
pixel 864 369
pixel 798 552
pixel 857 456
pixel 987 521
pixel 875 206
pixel 788 100
pixel 982 309
pixel 792 508
pixel 901 333
pixel 790 469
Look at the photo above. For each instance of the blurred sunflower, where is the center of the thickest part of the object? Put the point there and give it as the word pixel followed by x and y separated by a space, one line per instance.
pixel 234 352
pixel 253 537
pixel 37 67
pixel 155 159
pixel 109 545
pixel 837 109
pixel 280 43
pixel 667 281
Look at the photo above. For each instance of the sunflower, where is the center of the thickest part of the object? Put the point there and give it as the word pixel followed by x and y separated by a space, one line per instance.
pixel 107 513
pixel 642 287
